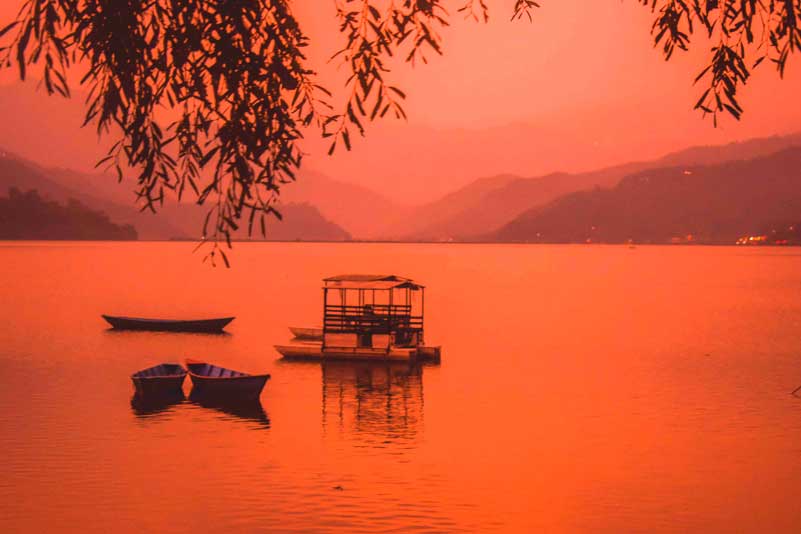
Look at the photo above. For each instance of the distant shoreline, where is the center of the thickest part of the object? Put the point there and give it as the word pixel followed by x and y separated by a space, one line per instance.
pixel 391 242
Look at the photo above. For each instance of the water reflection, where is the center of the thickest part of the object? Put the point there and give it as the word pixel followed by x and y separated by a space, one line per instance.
pixel 375 403
pixel 248 410
pixel 150 405
pixel 138 333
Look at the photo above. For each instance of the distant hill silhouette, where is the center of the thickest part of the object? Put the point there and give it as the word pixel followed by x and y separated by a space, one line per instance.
pixel 29 216
pixel 487 204
pixel 299 222
pixel 302 222
pixel 173 220
pixel 359 210
pixel 436 219
pixel 94 191
pixel 706 204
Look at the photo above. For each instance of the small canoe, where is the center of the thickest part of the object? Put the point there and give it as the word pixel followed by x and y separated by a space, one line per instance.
pixel 209 379
pixel 162 379
pixel 312 334
pixel 168 325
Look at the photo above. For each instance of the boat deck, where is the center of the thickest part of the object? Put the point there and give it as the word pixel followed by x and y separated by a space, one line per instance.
pixel 315 351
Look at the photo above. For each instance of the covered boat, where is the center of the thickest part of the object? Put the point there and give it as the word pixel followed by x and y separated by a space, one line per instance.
pixel 212 380
pixel 164 379
pixel 368 317
pixel 168 325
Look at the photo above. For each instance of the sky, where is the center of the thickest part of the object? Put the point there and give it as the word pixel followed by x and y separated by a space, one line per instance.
pixel 578 88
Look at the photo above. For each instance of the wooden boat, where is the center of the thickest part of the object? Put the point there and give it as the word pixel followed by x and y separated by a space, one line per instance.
pixel 209 379
pixel 163 379
pixel 366 317
pixel 168 325
pixel 307 333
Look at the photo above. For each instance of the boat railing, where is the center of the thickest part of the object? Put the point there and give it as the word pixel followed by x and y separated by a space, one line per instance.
pixel 382 319
pixel 375 308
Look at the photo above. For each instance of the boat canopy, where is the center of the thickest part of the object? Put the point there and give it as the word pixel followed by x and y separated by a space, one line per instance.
pixel 370 281
pixel 357 307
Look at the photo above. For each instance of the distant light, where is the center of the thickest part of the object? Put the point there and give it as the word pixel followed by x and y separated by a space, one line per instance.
pixel 752 239
pixel 688 172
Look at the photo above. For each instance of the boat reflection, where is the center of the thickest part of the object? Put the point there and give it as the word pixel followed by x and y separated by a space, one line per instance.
pixel 188 335
pixel 248 410
pixel 150 405
pixel 376 403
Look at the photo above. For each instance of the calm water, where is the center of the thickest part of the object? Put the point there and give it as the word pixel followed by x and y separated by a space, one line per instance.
pixel 582 389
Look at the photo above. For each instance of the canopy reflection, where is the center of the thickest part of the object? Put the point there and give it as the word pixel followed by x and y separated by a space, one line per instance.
pixel 376 403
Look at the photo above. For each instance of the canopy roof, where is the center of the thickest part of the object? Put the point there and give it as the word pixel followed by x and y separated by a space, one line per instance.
pixel 370 281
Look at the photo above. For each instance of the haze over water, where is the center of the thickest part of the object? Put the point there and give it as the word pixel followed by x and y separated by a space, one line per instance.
pixel 582 389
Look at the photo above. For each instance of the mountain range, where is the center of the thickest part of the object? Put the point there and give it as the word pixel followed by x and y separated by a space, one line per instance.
pixel 319 207
pixel 716 204
pixel 387 187
pixel 489 203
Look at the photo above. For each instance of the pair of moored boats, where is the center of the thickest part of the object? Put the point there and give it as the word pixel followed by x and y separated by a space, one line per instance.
pixel 207 379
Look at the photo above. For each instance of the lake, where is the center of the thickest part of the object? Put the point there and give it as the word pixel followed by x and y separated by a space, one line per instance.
pixel 581 389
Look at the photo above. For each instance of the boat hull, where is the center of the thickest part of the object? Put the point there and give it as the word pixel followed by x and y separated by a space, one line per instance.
pixel 212 381
pixel 161 380
pixel 244 388
pixel 311 351
pixel 304 333
pixel 168 325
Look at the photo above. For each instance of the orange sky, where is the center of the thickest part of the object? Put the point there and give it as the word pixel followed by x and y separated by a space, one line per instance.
pixel 579 88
